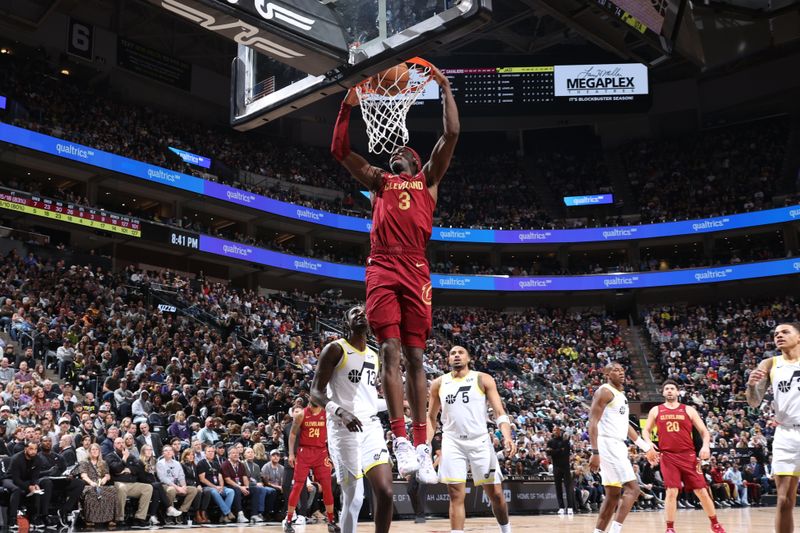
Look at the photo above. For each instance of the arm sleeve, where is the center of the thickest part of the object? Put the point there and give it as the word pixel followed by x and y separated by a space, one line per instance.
pixel 340 145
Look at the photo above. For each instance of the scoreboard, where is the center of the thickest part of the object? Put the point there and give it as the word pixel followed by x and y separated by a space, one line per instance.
pixel 544 89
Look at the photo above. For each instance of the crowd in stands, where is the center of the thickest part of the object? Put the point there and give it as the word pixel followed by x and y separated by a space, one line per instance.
pixel 715 172
pixel 738 166
pixel 137 368
pixel 46 104
pixel 574 173
pixel 143 396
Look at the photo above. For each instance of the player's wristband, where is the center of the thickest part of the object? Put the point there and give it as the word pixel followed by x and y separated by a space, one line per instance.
pixel 643 445
pixel 333 409
pixel 595 451
pixel 503 420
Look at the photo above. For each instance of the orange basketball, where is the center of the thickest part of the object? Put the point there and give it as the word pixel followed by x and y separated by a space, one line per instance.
pixel 392 80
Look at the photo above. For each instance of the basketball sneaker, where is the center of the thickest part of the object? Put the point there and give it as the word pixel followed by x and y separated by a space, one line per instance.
pixel 407 461
pixel 334 528
pixel 717 528
pixel 670 530
pixel 297 520
pixel 426 473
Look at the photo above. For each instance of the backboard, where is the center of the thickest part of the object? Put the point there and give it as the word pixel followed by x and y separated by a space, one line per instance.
pixel 378 33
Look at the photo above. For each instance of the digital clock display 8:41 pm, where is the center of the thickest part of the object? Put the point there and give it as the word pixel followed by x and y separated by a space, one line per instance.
pixel 185 240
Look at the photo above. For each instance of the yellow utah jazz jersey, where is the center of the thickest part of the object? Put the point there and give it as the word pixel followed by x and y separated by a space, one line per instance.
pixel 464 414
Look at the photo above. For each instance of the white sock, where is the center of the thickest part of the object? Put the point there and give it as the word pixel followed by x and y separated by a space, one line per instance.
pixel 616 527
pixel 505 528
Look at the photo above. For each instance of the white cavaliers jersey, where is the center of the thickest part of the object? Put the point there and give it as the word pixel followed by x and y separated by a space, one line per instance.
pixel 785 378
pixel 464 413
pixel 614 422
pixel 352 384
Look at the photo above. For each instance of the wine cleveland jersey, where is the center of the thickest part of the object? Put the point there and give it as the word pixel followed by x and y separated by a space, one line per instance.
pixel 674 429
pixel 402 214
pixel 313 434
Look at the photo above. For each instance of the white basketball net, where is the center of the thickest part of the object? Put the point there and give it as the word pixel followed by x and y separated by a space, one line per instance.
pixel 384 107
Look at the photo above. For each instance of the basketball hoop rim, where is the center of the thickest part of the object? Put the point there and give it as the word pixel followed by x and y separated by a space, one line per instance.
pixel 365 88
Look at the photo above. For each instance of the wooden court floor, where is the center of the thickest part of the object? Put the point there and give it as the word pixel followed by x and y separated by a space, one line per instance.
pixel 757 520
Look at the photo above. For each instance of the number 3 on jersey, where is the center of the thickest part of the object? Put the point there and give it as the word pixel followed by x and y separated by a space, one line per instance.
pixel 405 200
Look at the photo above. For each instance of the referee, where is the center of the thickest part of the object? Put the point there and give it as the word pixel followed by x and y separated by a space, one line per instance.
pixel 559 450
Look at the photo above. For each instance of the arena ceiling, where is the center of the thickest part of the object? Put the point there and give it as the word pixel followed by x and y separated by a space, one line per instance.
pixel 711 34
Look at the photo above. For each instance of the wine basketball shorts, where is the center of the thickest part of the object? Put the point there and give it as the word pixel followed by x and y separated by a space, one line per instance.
pixel 682 470
pixel 399 298
pixel 312 459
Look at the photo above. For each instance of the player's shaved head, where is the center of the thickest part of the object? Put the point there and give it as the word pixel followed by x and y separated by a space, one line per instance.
pixel 615 374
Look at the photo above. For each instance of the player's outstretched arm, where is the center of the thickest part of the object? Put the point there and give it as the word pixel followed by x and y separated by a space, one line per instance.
pixel 358 167
pixel 493 397
pixel 757 383
pixel 434 406
pixel 442 153
pixel 599 401
pixel 694 416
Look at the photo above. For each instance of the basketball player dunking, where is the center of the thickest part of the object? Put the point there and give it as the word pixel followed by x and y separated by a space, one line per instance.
pixel 679 466
pixel 608 428
pixel 462 396
pixel 784 374
pixel 345 383
pixel 398 276
pixel 311 456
